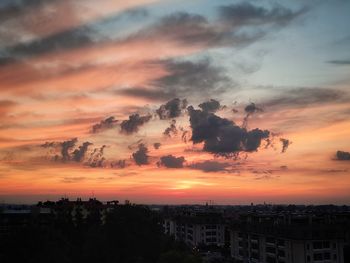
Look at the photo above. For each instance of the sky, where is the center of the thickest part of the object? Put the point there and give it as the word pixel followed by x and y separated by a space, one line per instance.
pixel 174 101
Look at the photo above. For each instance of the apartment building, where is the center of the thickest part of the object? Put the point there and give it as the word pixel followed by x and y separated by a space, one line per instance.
pixel 294 239
pixel 197 228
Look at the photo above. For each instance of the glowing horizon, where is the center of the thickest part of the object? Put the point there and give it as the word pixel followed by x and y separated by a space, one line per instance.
pixel 175 101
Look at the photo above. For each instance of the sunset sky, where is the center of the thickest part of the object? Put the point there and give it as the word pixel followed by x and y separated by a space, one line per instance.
pixel 175 101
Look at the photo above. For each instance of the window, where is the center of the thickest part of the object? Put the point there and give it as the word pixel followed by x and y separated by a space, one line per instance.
pixel 210 233
pixel 270 259
pixel 318 256
pixel 281 242
pixel 317 245
pixel 254 246
pixel 281 253
pixel 270 240
pixel 270 250
pixel 213 239
pixel 255 255
pixel 327 255
pixel 326 244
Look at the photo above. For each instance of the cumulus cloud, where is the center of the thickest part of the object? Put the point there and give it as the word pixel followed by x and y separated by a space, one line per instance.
pixel 79 154
pixel 171 109
pixel 141 155
pixel 210 106
pixel 119 164
pixel 171 161
pixel 66 148
pixel 343 156
pixel 157 145
pixel 285 144
pixel 250 110
pixel 219 136
pixel 96 158
pixel 105 124
pixel 171 130
pixel 69 151
pixel 210 166
pixel 222 136
pixel 134 122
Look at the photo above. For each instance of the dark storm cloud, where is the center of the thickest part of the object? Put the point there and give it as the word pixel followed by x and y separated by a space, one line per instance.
pixel 188 78
pixel 171 109
pixel 141 155
pixel 210 106
pixel 171 130
pixel 104 125
pixel 343 156
pixel 79 154
pixel 191 30
pixel 134 122
pixel 80 36
pixel 184 28
pixel 341 62
pixel 194 29
pixel 171 161
pixel 244 14
pixel 222 136
pixel 13 8
pixel 75 38
pixel 305 97
pixel 66 147
pixel 285 144
pixel 210 166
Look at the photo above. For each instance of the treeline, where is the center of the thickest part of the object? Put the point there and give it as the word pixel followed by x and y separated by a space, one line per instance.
pixel 130 234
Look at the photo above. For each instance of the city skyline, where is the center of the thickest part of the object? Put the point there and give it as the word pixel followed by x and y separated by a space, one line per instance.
pixel 175 101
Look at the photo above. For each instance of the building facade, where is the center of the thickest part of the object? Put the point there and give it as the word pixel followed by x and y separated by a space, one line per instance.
pixel 197 228
pixel 272 241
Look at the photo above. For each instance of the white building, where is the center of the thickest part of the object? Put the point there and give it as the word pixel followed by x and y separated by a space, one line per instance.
pixel 198 229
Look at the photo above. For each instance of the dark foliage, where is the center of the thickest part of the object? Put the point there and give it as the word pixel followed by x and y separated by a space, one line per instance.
pixel 130 234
